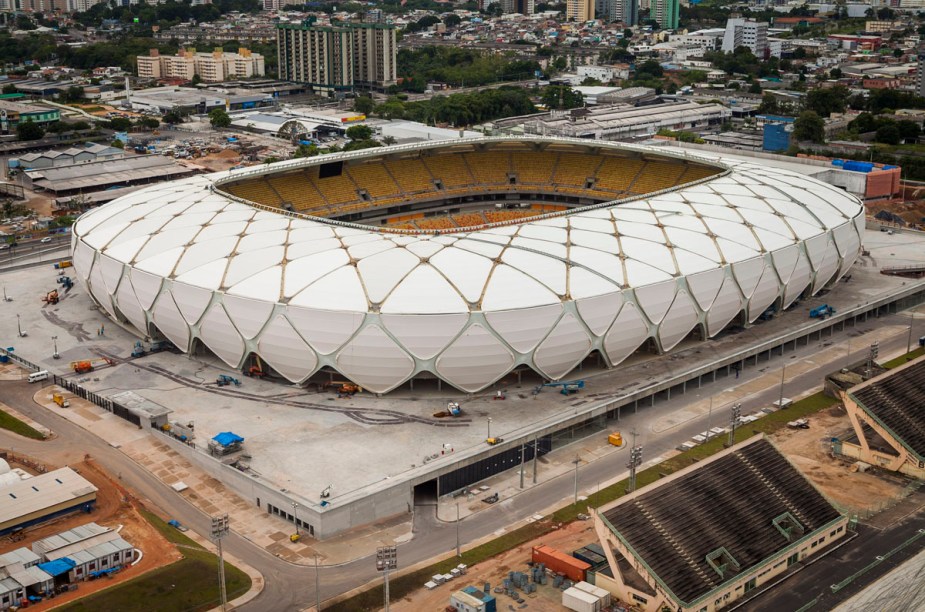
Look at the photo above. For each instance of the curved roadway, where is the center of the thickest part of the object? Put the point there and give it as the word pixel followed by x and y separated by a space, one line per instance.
pixel 291 587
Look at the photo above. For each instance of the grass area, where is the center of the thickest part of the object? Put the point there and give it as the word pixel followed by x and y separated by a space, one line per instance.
pixel 189 584
pixel 18 427
pixel 371 599
pixel 895 363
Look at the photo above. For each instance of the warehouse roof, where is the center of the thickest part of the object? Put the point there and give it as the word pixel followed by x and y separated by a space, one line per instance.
pixel 30 576
pixel 896 399
pixel 704 525
pixel 62 542
pixel 93 175
pixel 98 551
pixel 20 555
pixel 43 491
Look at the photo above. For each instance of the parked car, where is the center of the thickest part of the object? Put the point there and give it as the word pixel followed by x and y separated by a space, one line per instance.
pixel 45 240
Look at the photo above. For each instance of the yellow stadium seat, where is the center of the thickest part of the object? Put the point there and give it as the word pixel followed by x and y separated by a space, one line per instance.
pixel 411 175
pixel 534 167
pixel 617 173
pixel 489 168
pixel 375 179
pixel 575 170
pixel 451 170
pixel 657 175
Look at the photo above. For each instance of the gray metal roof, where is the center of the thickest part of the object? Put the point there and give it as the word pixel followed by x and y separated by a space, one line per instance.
pixel 40 492
pixel 67 538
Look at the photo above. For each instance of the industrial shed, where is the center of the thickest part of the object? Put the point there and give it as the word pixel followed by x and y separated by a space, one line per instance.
pixel 44 497
pixel 888 415
pixel 707 536
pixel 96 176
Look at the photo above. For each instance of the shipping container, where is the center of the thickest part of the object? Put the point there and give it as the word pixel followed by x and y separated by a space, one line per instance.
pixel 560 563
pixel 580 601
pixel 602 594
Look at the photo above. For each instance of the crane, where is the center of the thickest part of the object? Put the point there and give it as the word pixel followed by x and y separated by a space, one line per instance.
pixel 88 365
pixel 567 387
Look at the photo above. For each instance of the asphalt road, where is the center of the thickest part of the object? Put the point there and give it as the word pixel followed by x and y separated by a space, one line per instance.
pixel 291 587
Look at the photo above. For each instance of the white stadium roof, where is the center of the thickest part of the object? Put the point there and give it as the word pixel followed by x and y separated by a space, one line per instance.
pixel 381 307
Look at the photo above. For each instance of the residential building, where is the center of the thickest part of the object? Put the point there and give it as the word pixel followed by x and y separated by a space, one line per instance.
pixel 213 67
pixel 579 10
pixel 746 33
pixel 14 113
pixel 666 13
pixel 626 11
pixel 524 7
pixel 338 58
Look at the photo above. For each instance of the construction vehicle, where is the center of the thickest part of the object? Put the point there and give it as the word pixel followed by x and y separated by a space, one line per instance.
pixel 158 346
pixel 88 365
pixel 62 401
pixel 256 370
pixel 567 387
pixel 51 297
pixel 616 439
pixel 295 537
pixel 224 380
pixel 326 493
pixel 493 441
pixel 345 388
pixel 452 410
pixel 138 350
pixel 821 312
pixel 63 264
pixel 67 283
pixel 177 525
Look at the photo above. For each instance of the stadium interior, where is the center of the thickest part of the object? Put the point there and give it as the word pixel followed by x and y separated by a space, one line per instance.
pixel 466 186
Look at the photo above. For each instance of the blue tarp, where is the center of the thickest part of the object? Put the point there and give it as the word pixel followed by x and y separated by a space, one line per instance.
pixel 226 438
pixel 57 567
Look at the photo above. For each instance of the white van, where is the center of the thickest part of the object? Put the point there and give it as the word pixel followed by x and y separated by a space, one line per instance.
pixel 37 376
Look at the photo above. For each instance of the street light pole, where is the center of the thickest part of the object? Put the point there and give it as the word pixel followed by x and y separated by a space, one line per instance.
pixel 219 531
pixel 458 553
pixel 489 428
pixel 736 413
pixel 522 464
pixel 576 461
pixel 780 403
pixel 55 355
pixel 295 513
pixel 317 586
pixel 18 326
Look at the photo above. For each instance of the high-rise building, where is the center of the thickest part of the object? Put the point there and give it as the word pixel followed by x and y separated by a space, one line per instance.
pixel 524 7
pixel 579 10
pixel 746 33
pixel 626 11
pixel 666 13
pixel 338 58
pixel 920 76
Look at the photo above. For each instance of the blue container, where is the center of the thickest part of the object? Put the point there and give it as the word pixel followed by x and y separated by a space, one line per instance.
pixel 857 166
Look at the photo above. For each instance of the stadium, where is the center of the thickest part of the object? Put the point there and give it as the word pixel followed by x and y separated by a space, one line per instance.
pixel 463 260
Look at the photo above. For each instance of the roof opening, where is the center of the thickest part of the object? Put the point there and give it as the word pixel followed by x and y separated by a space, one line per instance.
pixel 788 525
pixel 721 560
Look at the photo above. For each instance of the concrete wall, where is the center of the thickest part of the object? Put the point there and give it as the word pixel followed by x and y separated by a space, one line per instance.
pixel 326 522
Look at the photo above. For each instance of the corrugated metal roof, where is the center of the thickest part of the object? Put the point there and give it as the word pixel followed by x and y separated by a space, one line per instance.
pixel 61 541
pixel 40 492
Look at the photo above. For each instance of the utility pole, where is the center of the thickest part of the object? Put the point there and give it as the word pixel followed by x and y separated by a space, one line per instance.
pixel 780 404
pixel 55 355
pixel 317 586
pixel 536 454
pixel 295 514
pixel 522 465
pixel 872 358
pixel 458 553
pixel 219 531
pixel 635 462
pixel 576 461
pixel 736 413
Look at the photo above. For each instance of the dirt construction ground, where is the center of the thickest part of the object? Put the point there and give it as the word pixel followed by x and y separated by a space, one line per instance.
pixel 114 508
pixel 494 571
pixel 810 450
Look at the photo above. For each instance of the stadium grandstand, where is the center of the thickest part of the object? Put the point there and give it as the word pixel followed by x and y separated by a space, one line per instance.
pixel 888 416
pixel 712 534
pixel 464 260
pixel 464 187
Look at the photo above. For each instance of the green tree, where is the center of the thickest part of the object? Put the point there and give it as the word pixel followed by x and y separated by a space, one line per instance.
pixel 452 20
pixel 8 89
pixel 561 97
pixel 359 132
pixel 173 116
pixel 218 118
pixel 889 134
pixel 29 130
pixel 74 93
pixel 149 123
pixel 909 130
pixel 24 23
pixel 387 140
pixel 117 144
pixel 120 124
pixel 306 151
pixel 649 69
pixel 364 105
pixel 829 100
pixel 809 126
pixel 356 145
pixel 754 88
